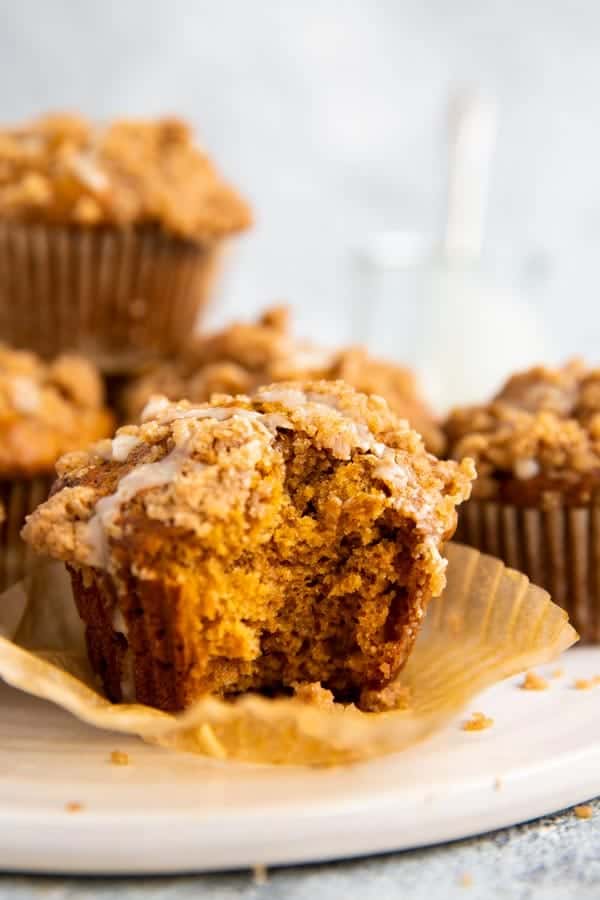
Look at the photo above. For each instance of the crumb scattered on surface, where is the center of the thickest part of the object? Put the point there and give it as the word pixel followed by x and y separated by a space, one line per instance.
pixel 534 682
pixel 498 784
pixel 557 673
pixel 584 812
pixel 586 684
pixel 466 879
pixel 73 807
pixel 478 722
pixel 119 758
pixel 260 874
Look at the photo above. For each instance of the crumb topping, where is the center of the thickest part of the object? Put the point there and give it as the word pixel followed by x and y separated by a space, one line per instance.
pixel 542 427
pixel 478 722
pixel 301 530
pixel 180 461
pixel 534 682
pixel 119 758
pixel 62 169
pixel 46 410
pixel 246 355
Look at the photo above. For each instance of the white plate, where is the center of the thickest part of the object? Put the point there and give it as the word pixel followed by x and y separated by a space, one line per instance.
pixel 175 813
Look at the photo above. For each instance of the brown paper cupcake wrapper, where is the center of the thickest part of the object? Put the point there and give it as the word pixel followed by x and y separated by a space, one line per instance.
pixel 490 623
pixel 121 296
pixel 557 547
pixel 18 498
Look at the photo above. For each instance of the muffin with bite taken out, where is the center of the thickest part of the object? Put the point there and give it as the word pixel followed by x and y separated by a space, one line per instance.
pixel 260 543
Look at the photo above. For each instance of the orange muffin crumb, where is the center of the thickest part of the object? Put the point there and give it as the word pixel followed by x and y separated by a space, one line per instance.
pixel 584 812
pixel 62 169
pixel 557 673
pixel 478 722
pixel 73 807
pixel 254 544
pixel 534 682
pixel 119 758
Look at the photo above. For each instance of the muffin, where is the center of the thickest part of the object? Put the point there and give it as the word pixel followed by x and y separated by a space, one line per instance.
pixel 536 501
pixel 253 544
pixel 46 410
pixel 246 355
pixel 108 237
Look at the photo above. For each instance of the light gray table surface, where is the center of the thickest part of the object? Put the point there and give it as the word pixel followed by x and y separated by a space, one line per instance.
pixel 550 859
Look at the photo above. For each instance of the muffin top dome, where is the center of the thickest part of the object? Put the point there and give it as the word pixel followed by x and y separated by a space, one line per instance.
pixel 540 432
pixel 46 410
pixel 62 169
pixel 245 355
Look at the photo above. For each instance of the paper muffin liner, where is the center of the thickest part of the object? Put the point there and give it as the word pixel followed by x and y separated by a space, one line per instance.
pixel 557 547
pixel 491 622
pixel 18 498
pixel 122 296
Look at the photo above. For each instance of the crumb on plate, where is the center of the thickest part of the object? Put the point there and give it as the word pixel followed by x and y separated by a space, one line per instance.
pixel 119 758
pixel 533 682
pixel 478 722
pixel 584 812
pixel 73 807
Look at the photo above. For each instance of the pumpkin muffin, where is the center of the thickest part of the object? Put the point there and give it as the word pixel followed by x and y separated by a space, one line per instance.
pixel 536 502
pixel 245 355
pixel 253 544
pixel 108 237
pixel 46 410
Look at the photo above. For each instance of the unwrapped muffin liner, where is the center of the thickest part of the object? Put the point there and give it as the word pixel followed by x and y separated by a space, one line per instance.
pixel 491 622
pixel 18 498
pixel 557 546
pixel 122 296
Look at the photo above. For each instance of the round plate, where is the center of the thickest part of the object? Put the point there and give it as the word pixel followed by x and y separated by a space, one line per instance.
pixel 65 808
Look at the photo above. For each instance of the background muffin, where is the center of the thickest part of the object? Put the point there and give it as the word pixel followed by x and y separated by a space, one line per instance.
pixel 244 356
pixel 46 410
pixel 536 502
pixel 108 237
pixel 254 544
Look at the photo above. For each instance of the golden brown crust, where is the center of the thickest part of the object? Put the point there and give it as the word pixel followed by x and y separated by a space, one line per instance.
pixel 46 410
pixel 254 543
pixel 540 433
pixel 244 356
pixel 61 169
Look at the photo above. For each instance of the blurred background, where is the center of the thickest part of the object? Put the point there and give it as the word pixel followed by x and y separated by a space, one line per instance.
pixel 333 119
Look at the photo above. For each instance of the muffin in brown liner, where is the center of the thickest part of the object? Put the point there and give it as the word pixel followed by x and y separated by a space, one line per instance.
pixel 45 411
pixel 245 355
pixel 109 238
pixel 122 297
pixel 489 623
pixel 254 544
pixel 556 546
pixel 536 503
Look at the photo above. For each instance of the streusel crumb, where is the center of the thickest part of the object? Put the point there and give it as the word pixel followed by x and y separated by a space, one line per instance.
pixel 477 722
pixel 534 682
pixel 62 169
pixel 254 544
pixel 119 758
